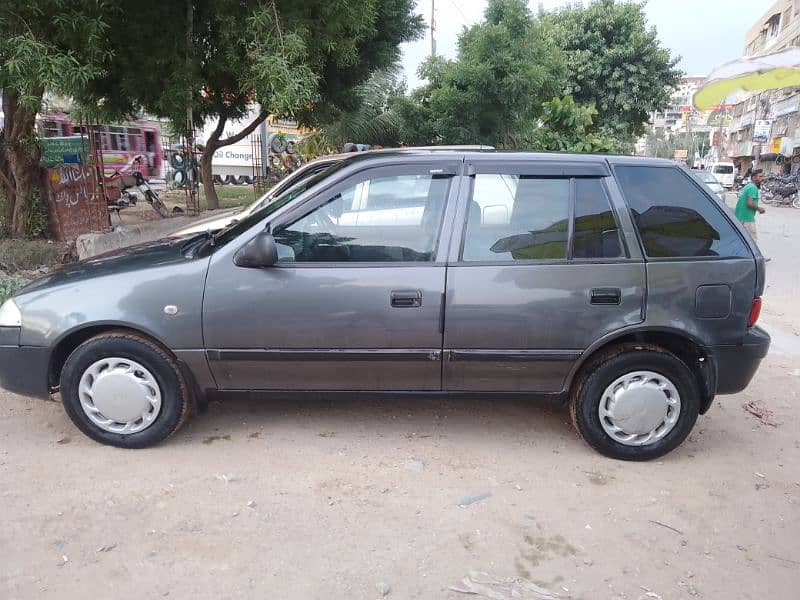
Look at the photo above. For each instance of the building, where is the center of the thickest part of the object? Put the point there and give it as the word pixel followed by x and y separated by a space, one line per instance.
pixel 681 127
pixel 778 111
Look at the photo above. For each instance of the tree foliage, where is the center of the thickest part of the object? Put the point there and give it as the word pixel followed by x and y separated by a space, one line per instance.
pixel 569 127
pixel 371 121
pixel 291 59
pixel 614 61
pixel 504 68
pixel 45 46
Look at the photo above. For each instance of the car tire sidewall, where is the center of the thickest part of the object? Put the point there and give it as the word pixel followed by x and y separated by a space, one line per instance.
pixel 587 403
pixel 171 384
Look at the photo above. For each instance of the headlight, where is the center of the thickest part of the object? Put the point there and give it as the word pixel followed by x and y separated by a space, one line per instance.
pixel 10 315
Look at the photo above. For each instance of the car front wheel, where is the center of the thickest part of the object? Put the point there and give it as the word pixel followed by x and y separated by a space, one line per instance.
pixel 124 390
pixel 635 404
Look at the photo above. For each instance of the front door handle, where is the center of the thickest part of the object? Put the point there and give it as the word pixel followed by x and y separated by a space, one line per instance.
pixel 406 298
pixel 606 296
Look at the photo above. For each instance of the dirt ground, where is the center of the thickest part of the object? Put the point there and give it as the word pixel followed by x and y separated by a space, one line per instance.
pixel 314 499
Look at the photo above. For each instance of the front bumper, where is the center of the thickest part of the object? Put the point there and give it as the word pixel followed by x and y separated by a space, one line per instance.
pixel 736 365
pixel 23 369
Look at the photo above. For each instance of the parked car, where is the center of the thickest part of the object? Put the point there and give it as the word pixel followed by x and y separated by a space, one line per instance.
pixel 712 183
pixel 617 285
pixel 724 172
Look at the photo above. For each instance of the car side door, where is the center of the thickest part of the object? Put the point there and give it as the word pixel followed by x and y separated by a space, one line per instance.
pixel 355 299
pixel 541 271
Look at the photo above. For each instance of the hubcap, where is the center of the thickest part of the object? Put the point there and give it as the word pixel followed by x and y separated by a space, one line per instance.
pixel 119 395
pixel 639 408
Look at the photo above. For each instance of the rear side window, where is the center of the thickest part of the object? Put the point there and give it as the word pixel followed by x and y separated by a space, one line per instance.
pixel 516 217
pixel 596 233
pixel 674 217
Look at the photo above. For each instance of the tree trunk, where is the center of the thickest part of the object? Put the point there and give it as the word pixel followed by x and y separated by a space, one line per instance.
pixel 214 143
pixel 21 157
pixel 206 172
pixel 207 176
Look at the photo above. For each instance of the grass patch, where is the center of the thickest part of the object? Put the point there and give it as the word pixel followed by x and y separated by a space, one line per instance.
pixel 23 255
pixel 9 285
pixel 230 196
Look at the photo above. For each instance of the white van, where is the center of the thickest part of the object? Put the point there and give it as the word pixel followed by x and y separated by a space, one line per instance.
pixel 723 172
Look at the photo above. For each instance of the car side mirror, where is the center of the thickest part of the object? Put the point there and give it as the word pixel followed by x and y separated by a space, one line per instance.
pixel 259 252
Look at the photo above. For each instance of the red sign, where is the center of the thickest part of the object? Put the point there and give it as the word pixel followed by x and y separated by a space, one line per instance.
pixel 75 202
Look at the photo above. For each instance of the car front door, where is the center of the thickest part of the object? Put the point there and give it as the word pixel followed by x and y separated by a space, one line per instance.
pixel 541 272
pixel 355 301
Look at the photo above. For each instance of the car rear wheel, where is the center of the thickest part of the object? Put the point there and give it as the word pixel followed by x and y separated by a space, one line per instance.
pixel 124 390
pixel 637 404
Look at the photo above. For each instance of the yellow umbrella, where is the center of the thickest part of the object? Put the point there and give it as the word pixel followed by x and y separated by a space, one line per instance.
pixel 750 74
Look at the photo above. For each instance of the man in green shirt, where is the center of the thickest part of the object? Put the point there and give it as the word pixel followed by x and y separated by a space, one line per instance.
pixel 747 206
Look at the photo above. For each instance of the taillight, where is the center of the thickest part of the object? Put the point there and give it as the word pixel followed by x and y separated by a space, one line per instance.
pixel 755 311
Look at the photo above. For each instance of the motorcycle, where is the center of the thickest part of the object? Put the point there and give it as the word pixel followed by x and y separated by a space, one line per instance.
pixel 781 191
pixel 125 187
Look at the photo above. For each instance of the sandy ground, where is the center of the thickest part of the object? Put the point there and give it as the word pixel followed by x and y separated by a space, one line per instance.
pixel 313 499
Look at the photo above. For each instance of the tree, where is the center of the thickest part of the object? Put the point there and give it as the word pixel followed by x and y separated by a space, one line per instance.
pixel 45 46
pixel 371 122
pixel 614 61
pixel 296 59
pixel 493 90
pixel 569 127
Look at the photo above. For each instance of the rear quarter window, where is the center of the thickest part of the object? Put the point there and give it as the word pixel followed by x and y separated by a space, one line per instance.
pixel 674 217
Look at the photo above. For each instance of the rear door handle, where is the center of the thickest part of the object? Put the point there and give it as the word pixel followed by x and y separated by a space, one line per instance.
pixel 606 296
pixel 406 298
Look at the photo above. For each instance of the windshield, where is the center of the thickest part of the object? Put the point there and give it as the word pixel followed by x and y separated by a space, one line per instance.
pixel 234 229
pixel 285 184
pixel 723 169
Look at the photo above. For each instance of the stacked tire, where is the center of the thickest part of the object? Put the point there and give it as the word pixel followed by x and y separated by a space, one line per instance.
pixel 181 170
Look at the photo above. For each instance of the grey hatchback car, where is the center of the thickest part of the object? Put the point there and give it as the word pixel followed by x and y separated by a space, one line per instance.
pixel 617 285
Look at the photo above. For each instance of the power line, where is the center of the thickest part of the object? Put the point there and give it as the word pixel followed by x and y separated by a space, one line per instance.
pixel 463 16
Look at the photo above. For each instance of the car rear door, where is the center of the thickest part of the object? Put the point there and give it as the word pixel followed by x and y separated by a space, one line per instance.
pixel 542 270
pixel 355 301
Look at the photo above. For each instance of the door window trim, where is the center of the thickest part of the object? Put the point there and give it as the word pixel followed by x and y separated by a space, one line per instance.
pixel 502 169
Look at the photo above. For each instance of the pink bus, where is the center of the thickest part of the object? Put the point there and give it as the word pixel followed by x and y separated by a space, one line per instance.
pixel 121 144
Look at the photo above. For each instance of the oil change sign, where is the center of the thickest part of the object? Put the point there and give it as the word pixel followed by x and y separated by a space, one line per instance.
pixel 237 155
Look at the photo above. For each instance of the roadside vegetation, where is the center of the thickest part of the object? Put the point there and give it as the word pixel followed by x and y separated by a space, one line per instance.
pixel 581 78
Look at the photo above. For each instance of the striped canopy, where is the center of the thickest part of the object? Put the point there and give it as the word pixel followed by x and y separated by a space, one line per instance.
pixel 750 74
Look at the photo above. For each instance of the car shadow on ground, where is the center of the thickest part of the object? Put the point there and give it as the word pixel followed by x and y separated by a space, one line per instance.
pixel 411 416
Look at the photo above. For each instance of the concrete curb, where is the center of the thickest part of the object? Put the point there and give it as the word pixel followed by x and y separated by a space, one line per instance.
pixel 92 244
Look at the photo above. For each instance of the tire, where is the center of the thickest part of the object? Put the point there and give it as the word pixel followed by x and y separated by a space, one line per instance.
pixel 174 394
pixel 156 203
pixel 276 145
pixel 179 178
pixel 230 180
pixel 178 161
pixel 593 381
pixel 240 180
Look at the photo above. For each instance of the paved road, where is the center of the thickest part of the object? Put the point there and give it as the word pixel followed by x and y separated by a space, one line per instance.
pixel 316 499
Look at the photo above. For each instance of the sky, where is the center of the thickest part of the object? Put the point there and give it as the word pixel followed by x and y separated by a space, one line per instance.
pixel 705 33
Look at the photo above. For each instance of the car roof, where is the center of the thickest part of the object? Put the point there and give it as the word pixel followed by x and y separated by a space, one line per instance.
pixel 483 152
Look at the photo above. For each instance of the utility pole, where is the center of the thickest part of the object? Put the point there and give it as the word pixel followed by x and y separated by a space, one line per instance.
pixel 433 27
pixel 192 202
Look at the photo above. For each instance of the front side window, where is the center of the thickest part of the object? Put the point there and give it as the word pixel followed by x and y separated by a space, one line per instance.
pixel 516 217
pixel 382 219
pixel 674 217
